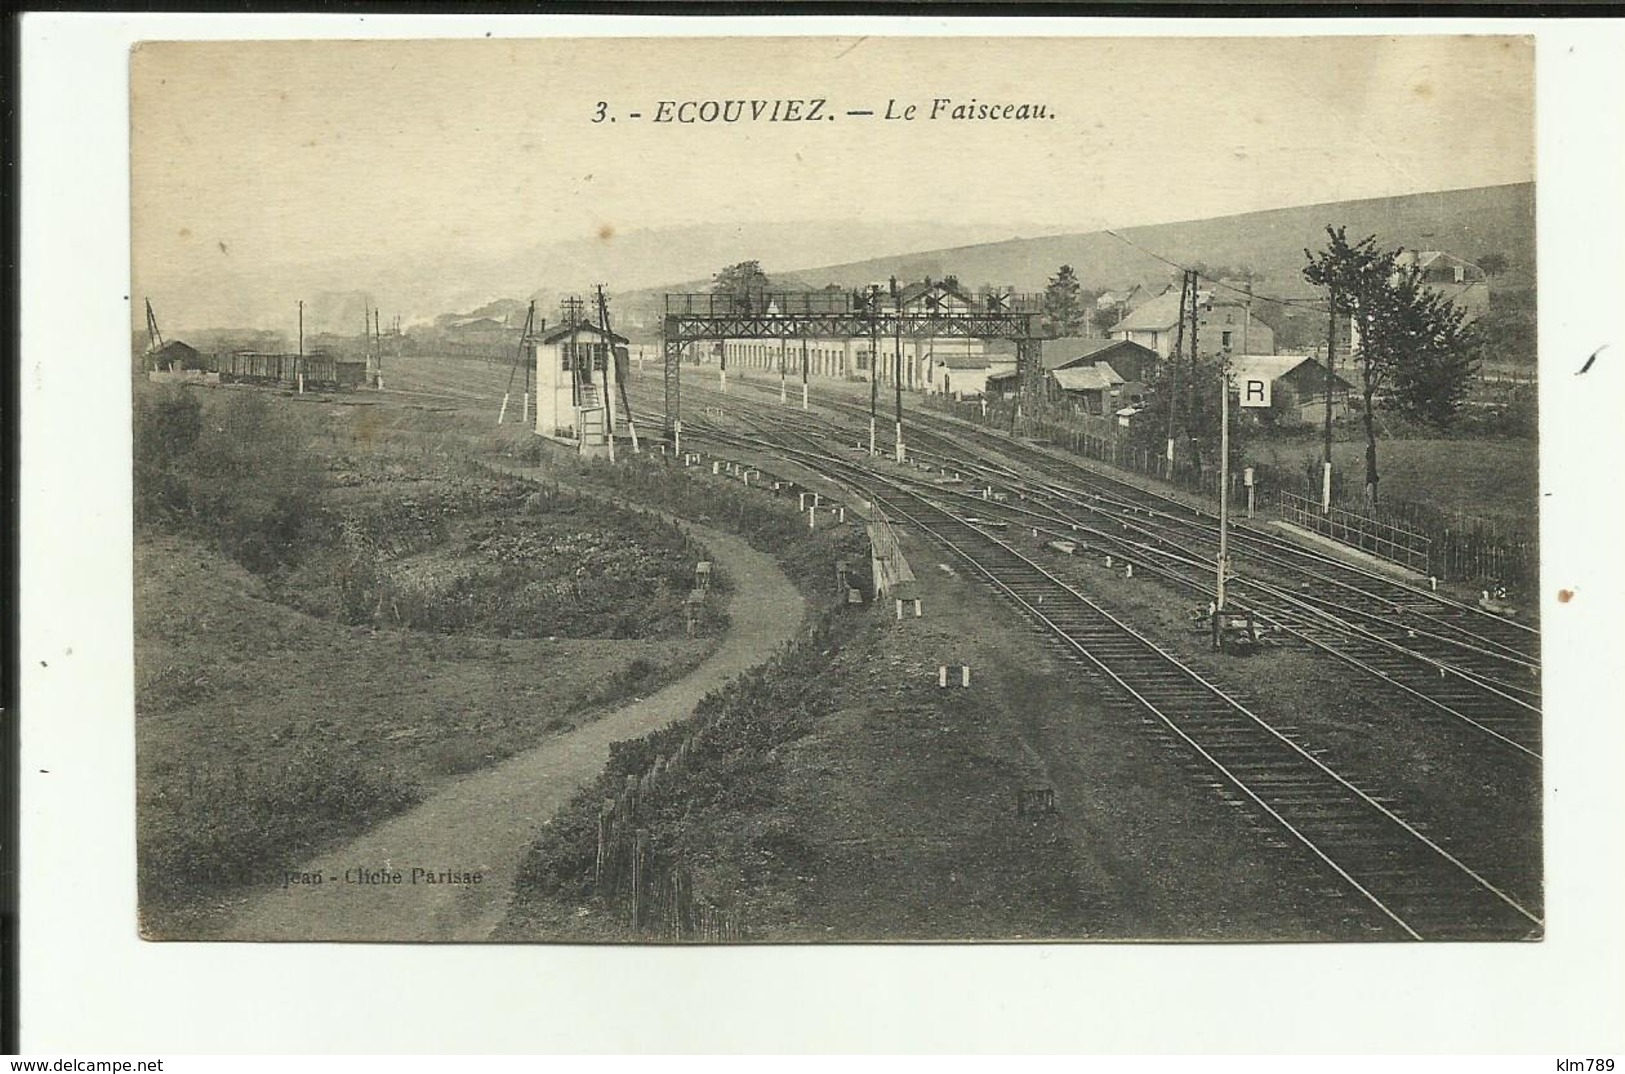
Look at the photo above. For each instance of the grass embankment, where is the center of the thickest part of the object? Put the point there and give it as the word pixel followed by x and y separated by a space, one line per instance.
pixel 331 622
pixel 1494 480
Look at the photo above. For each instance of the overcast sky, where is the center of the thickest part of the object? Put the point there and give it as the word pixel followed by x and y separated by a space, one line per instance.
pixel 321 152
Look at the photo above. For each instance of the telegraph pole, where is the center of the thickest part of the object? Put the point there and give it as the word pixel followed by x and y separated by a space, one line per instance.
pixel 301 327
pixel 874 362
pixel 803 372
pixel 1196 388
pixel 1331 381
pixel 897 366
pixel 1224 486
pixel 1173 371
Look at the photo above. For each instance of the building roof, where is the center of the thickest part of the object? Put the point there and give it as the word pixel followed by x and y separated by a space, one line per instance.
pixel 1156 315
pixel 587 328
pixel 1273 367
pixel 1070 351
pixel 952 360
pixel 1426 259
pixel 1087 378
pixel 1162 313
pixel 175 350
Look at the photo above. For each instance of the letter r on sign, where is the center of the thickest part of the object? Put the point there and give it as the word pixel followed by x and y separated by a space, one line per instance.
pixel 1255 392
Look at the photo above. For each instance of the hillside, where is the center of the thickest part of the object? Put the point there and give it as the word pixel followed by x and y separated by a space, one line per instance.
pixel 1468 222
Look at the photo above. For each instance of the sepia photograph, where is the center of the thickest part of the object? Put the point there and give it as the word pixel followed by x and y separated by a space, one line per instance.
pixel 837 489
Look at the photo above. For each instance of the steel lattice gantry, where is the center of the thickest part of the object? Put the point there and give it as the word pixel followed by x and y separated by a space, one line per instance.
pixel 709 318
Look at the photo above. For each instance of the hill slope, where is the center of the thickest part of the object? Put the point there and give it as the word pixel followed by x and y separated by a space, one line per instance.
pixel 1469 223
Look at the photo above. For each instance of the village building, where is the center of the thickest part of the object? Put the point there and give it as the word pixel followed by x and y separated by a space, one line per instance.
pixel 1297 386
pixel 1130 362
pixel 947 365
pixel 1224 322
pixel 1096 389
pixel 1462 283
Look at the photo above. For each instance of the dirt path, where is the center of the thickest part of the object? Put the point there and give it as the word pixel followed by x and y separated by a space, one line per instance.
pixel 484 822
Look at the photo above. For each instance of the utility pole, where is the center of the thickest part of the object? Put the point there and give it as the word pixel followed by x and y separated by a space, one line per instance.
pixel 611 366
pixel 301 328
pixel 782 397
pixel 1177 357
pixel 1196 399
pixel 1224 491
pixel 1331 382
pixel 803 372
pixel 874 362
pixel 897 367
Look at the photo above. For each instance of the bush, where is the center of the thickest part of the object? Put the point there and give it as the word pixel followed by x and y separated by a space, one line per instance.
pixel 204 830
pixel 233 474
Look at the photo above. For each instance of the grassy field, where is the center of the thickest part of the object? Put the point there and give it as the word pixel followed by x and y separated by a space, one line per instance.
pixel 1496 480
pixel 404 618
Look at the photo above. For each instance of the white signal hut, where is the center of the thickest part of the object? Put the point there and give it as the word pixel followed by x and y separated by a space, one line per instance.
pixel 579 372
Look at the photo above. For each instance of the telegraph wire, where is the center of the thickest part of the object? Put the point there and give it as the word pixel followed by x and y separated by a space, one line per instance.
pixel 1295 302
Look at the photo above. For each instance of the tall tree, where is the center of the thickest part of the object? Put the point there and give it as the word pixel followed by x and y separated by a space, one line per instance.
pixel 1433 352
pixel 1358 278
pixel 1064 311
pixel 1493 264
pixel 741 280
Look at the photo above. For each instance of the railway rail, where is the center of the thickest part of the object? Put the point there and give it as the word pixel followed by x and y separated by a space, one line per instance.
pixel 1434 654
pixel 1417 886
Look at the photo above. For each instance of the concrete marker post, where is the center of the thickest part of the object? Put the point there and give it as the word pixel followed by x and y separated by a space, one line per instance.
pixel 964 676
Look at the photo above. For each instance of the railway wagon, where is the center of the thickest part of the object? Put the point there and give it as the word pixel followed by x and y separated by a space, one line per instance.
pixel 320 370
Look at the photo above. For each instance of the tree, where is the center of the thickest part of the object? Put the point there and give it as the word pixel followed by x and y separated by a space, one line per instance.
pixel 1410 337
pixel 1357 280
pixel 1106 318
pixel 1201 427
pixel 1493 264
pixel 740 280
pixel 1064 312
pixel 1434 353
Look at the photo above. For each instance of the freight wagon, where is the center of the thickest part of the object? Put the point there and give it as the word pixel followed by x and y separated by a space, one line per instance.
pixel 320 370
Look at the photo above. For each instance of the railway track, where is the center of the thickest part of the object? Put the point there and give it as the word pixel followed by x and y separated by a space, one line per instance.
pixel 1418 887
pixel 1435 656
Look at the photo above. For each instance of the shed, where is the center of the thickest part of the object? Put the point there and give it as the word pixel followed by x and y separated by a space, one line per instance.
pixel 177 355
pixel 1297 385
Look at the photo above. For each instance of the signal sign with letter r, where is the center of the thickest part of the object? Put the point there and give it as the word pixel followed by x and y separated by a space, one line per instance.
pixel 1255 391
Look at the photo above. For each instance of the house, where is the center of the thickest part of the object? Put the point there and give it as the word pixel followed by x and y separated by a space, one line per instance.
pixel 579 368
pixel 1297 386
pixel 1224 322
pixel 1096 389
pixel 1463 283
pixel 960 372
pixel 176 356
pixel 1133 360
pixel 1124 300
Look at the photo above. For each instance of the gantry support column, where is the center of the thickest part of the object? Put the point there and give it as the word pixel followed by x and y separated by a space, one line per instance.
pixel 1029 379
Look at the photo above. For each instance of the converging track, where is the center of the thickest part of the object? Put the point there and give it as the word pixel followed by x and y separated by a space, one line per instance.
pixel 1418 885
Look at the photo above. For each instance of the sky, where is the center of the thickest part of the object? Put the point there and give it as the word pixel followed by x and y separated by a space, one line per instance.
pixel 299 163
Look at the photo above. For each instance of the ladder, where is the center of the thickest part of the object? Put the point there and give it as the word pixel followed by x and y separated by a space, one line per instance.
pixel 594 427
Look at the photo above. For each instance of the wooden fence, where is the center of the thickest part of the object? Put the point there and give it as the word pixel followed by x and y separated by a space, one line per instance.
pixel 654 893
pixel 1397 545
